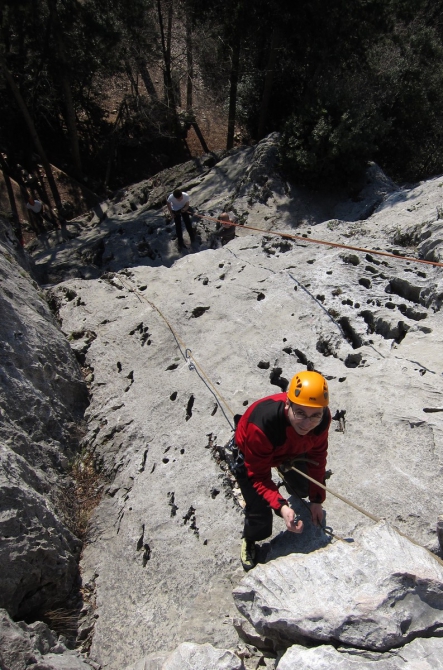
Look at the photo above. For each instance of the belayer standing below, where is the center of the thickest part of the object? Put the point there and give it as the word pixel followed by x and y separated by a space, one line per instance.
pixel 275 430
pixel 178 205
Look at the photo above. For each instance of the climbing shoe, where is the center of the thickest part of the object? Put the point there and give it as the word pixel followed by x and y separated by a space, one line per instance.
pixel 248 554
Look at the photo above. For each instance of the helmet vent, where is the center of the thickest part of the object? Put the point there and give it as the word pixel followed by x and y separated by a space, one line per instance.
pixel 309 388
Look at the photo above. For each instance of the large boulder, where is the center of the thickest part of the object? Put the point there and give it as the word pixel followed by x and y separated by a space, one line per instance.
pixel 377 593
pixel 35 647
pixel 420 654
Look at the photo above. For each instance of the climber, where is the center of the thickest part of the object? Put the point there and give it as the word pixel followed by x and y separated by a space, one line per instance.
pixel 178 206
pixel 275 430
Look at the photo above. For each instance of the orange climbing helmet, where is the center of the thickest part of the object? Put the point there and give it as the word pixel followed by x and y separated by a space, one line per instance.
pixel 309 389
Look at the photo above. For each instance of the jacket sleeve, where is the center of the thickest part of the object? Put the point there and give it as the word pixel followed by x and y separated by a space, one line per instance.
pixel 257 451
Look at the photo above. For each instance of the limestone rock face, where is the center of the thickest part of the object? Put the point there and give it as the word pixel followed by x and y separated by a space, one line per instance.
pixel 38 554
pixel 42 399
pixel 377 593
pixel 420 654
pixel 174 344
pixel 250 315
pixel 24 647
pixel 192 656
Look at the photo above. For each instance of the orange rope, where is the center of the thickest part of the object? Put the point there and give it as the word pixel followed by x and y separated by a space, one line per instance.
pixel 328 244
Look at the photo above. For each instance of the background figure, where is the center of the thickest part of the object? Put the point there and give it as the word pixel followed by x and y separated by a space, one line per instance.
pixel 36 209
pixel 178 205
pixel 225 232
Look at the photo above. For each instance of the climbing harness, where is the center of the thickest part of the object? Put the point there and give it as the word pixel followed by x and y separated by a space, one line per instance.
pixel 234 457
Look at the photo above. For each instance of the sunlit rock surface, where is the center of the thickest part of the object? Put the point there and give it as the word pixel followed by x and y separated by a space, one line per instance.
pixel 376 593
pixel 189 655
pixel 420 654
pixel 162 555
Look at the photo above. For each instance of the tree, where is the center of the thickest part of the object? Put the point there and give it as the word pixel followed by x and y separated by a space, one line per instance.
pixel 14 212
pixel 63 72
pixel 33 133
pixel 166 37
pixel 190 64
pixel 235 48
pixel 269 80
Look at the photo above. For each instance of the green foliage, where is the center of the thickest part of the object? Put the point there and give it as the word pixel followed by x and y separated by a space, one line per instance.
pixel 380 99
pixel 409 64
pixel 329 146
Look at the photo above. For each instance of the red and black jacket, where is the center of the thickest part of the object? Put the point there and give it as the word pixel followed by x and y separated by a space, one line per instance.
pixel 266 439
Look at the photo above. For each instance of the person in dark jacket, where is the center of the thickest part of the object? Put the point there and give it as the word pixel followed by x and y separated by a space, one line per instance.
pixel 275 430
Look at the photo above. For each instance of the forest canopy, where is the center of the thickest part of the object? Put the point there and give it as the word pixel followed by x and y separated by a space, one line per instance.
pixel 106 89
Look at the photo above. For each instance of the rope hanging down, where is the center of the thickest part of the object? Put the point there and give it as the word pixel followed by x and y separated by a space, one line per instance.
pixel 299 238
pixel 186 353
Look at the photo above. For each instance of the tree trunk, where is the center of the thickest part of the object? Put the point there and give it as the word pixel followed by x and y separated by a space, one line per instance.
pixel 238 24
pixel 190 64
pixel 32 131
pixel 63 74
pixel 233 81
pixel 166 50
pixel 134 83
pixel 113 142
pixel 146 77
pixel 10 190
pixel 199 134
pixel 167 73
pixel 267 87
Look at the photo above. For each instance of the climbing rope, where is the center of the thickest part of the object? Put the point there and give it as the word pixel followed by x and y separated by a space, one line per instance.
pixel 299 238
pixel 361 510
pixel 185 352
pixel 330 317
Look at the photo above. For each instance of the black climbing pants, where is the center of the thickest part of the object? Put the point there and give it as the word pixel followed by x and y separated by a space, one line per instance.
pixel 178 216
pixel 258 514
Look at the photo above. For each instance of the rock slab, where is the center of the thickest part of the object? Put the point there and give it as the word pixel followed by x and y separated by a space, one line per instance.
pixel 191 656
pixel 377 593
pixel 420 654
